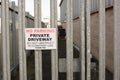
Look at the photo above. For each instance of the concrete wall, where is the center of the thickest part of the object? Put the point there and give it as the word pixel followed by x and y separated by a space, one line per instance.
pixel 95 36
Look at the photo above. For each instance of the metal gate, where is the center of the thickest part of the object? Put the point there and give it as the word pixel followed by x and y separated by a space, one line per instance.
pixel 85 57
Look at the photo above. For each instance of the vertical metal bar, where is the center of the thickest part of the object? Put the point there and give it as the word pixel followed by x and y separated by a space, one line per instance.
pixel 5 40
pixel 23 37
pixel 38 54
pixel 54 53
pixel 116 40
pixel 82 33
pixel 22 53
pixel 88 41
pixel 13 34
pixel 102 49
pixel 69 42
pixel 8 39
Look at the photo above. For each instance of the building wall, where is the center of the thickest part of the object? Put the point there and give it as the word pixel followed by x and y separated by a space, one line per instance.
pixel 63 11
pixel 95 36
pixel 76 32
pixel 76 7
pixel 109 37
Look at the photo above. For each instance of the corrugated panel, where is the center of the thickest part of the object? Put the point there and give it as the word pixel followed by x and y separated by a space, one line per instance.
pixel 75 10
pixel 63 11
pixel 94 7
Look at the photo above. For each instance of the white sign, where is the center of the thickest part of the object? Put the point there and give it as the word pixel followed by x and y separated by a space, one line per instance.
pixel 40 38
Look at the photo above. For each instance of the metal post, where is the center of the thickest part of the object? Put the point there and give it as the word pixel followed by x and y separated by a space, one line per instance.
pixel 54 53
pixel 102 49
pixel 22 53
pixel 82 35
pixel 117 40
pixel 69 42
pixel 5 40
pixel 88 41
pixel 38 54
pixel 14 34
pixel 8 38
